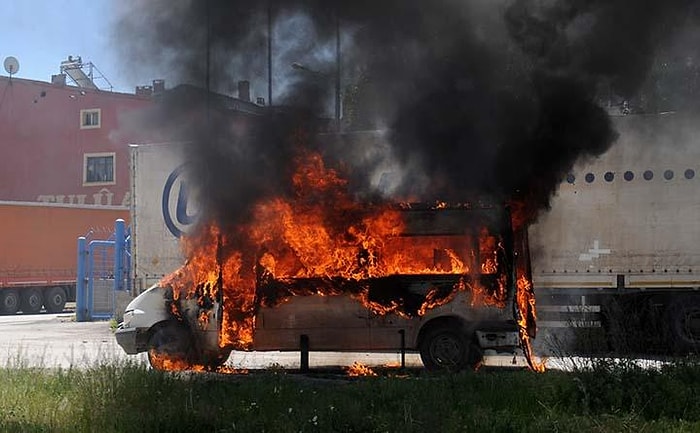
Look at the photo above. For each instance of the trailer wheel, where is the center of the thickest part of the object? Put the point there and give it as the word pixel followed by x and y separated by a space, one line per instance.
pixel 684 322
pixel 31 301
pixel 55 299
pixel 9 301
pixel 170 347
pixel 445 348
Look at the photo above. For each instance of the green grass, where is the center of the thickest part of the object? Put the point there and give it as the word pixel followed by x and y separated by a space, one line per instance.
pixel 132 398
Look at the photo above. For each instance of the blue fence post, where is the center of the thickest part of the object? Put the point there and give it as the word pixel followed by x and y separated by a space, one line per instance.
pixel 119 246
pixel 81 279
pixel 90 280
pixel 127 262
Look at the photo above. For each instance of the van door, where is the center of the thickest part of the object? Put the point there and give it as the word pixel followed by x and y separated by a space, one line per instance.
pixel 385 330
pixel 332 323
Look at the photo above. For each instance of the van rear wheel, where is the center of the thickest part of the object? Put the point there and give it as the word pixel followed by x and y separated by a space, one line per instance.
pixel 445 348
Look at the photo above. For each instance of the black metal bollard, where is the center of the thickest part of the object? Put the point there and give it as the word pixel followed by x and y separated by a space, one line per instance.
pixel 304 351
pixel 403 348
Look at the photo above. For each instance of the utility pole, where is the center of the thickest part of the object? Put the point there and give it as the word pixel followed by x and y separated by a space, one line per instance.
pixel 269 53
pixel 207 70
pixel 337 71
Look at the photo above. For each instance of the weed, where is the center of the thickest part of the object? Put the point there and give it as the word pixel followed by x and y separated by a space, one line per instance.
pixel 125 396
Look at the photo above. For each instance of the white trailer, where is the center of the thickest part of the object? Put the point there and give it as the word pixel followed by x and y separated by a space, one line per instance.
pixel 620 247
pixel 162 209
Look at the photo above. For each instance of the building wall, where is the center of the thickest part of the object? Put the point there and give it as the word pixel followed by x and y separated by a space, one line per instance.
pixel 44 142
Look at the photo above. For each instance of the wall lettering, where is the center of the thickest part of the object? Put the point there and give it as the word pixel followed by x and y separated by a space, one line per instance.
pixel 104 197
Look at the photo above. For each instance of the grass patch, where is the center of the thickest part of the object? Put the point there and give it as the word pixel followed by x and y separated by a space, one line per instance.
pixel 130 397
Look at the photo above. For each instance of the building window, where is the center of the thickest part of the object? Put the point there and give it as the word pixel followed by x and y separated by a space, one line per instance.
pixel 91 118
pixel 98 169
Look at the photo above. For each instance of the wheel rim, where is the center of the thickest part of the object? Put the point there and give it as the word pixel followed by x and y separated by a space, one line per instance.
pixel 34 301
pixel 11 301
pixel 446 350
pixel 56 300
pixel 30 301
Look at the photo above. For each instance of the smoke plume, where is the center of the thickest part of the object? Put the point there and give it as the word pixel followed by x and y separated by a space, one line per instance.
pixel 481 98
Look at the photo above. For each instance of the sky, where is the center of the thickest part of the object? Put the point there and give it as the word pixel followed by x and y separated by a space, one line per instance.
pixel 42 33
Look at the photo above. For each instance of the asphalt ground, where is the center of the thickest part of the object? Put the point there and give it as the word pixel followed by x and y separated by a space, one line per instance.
pixel 58 340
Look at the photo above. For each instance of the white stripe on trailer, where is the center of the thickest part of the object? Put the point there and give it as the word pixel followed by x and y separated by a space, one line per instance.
pixel 569 308
pixel 569 324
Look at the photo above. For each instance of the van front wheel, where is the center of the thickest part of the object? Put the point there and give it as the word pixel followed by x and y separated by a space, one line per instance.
pixel 169 348
pixel 172 348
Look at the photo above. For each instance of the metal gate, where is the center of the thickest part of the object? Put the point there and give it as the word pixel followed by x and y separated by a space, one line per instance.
pixel 103 271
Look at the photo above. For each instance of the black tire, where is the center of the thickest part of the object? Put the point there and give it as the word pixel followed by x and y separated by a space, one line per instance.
pixel 9 301
pixel 170 348
pixel 684 323
pixel 445 348
pixel 31 301
pixel 55 299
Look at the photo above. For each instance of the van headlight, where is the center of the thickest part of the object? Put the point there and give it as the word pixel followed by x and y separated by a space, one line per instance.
pixel 128 315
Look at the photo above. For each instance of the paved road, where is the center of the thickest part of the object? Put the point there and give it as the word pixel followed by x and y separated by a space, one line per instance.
pixel 57 340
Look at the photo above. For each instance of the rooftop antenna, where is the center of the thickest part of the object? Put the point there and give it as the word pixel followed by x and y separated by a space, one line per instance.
pixel 11 65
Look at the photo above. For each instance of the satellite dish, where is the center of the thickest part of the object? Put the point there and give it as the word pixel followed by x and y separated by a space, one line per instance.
pixel 11 65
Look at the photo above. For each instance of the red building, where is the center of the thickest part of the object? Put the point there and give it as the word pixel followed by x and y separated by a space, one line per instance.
pixel 67 144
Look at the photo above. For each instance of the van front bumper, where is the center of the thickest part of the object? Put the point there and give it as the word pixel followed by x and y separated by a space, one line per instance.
pixel 132 340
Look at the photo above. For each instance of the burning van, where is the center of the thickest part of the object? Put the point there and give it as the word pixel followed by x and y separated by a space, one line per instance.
pixel 448 281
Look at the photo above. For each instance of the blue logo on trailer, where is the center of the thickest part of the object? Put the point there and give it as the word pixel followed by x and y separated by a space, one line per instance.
pixel 178 223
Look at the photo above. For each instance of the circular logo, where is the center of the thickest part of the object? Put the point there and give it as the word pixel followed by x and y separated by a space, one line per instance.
pixel 180 210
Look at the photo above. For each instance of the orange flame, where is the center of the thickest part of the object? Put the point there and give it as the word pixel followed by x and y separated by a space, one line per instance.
pixel 162 361
pixel 359 369
pixel 527 316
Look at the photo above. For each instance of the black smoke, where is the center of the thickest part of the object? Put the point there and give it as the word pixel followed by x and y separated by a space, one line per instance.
pixel 477 98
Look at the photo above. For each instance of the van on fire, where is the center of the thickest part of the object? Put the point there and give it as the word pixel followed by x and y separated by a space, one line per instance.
pixel 438 279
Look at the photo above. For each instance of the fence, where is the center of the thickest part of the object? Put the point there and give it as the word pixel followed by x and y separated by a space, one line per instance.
pixel 102 273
